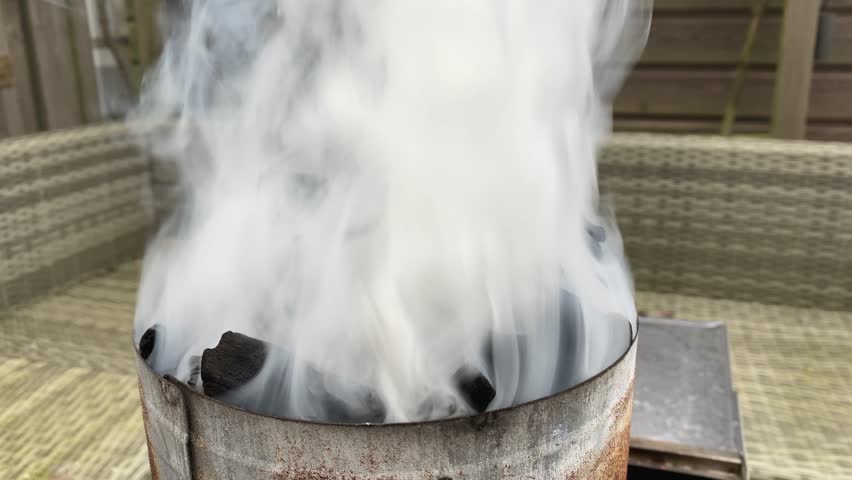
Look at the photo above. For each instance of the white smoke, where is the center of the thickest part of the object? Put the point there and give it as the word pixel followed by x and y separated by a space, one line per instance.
pixel 388 190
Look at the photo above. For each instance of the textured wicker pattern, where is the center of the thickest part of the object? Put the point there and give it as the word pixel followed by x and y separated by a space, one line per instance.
pixel 793 370
pixel 69 405
pixel 745 219
pixel 69 205
pixel 69 402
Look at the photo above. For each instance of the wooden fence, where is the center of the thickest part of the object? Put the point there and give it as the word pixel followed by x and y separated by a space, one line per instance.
pixel 49 81
pixel 47 76
pixel 686 72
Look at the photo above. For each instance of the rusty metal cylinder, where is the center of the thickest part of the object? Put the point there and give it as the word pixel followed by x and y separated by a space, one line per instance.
pixel 580 433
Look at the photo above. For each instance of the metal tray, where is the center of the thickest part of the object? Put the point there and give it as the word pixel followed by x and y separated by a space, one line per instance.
pixel 685 411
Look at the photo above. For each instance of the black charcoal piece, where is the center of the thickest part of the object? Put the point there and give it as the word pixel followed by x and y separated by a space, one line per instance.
pixel 194 371
pixel 239 358
pixel 147 342
pixel 232 363
pixel 475 388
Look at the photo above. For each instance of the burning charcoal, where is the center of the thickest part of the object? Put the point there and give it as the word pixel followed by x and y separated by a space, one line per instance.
pixel 475 388
pixel 146 343
pixel 237 359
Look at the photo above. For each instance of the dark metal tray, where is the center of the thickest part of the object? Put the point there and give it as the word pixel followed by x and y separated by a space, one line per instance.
pixel 685 412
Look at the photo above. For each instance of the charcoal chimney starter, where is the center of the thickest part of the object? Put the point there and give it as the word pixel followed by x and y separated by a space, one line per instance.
pixel 399 201
pixel 580 433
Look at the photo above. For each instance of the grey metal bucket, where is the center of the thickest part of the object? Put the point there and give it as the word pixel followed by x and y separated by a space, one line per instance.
pixel 580 433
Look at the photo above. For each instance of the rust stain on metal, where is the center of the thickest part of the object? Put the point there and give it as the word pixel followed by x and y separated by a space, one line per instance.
pixel 616 452
pixel 611 464
pixel 152 464
pixel 370 462
pixel 325 474
pixel 155 473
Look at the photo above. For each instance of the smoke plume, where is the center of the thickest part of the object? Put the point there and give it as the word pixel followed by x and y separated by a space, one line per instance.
pixel 387 191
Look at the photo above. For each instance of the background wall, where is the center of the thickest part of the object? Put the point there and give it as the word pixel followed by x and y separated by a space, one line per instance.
pixel 57 70
pixel 686 72
pixel 50 82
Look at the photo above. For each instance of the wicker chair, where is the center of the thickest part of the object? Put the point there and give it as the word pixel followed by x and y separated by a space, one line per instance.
pixel 751 232
pixel 755 233
pixel 72 221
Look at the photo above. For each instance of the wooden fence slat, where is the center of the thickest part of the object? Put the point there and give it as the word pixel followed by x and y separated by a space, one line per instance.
pixel 704 92
pixel 836 131
pixel 54 68
pixel 66 93
pixel 83 46
pixel 795 69
pixel 6 75
pixel 709 5
pixel 707 39
pixel 16 101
